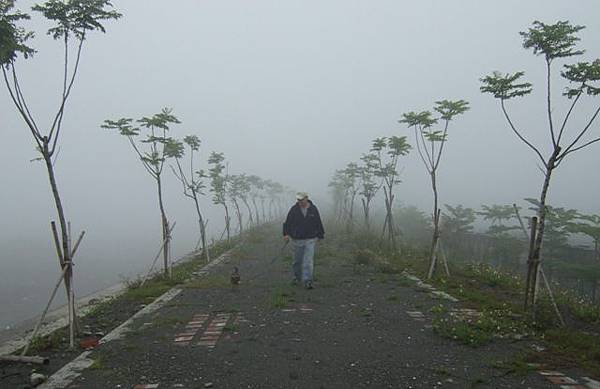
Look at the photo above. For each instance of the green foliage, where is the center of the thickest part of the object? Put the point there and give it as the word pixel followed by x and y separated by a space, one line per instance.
pixel 558 226
pixel 46 342
pixel 572 348
pixel 193 141
pixel 552 40
pixel 584 73
pixel 218 177
pixel 505 86
pixel 158 148
pixel 76 16
pixel 98 364
pixel 13 38
pixel 458 220
pixel 281 297
pixel 448 109
pixel 394 147
pixel 414 224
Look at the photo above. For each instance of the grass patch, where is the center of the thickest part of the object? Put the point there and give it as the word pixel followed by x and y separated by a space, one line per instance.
pixel 571 348
pixel 98 364
pixel 212 282
pixel 47 342
pixel 282 297
pixel 231 327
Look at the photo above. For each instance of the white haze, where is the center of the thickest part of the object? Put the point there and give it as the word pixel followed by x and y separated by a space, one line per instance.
pixel 288 90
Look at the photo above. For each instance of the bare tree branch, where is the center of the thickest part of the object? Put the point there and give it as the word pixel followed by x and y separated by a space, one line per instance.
pixel 519 134
pixel 437 163
pixel 570 149
pixel 36 135
pixel 57 123
pixel 549 104
pixel 562 127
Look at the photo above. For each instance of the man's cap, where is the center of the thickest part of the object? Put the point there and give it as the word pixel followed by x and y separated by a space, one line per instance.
pixel 301 196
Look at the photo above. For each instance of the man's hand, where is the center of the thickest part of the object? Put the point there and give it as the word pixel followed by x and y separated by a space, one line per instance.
pixel 286 238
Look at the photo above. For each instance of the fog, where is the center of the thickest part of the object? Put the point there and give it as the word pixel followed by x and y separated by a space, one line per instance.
pixel 288 90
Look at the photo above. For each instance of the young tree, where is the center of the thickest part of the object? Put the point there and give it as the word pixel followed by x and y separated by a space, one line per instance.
pixel 414 224
pixel 559 222
pixel 245 184
pixel 388 151
pixel 256 191
pixel 235 190
pixel 553 42
pixel 153 151
pixel 506 246
pixel 368 184
pixel 457 223
pixel 71 22
pixel 588 225
pixel 351 176
pixel 193 186
pixel 427 139
pixel 459 220
pixel 218 185
pixel 339 193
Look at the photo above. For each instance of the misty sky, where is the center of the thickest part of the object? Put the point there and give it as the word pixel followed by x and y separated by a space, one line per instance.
pixel 288 90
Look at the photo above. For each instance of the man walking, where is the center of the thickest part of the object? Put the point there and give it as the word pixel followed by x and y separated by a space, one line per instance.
pixel 303 225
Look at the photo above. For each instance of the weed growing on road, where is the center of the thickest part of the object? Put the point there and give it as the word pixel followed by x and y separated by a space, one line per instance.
pixel 281 297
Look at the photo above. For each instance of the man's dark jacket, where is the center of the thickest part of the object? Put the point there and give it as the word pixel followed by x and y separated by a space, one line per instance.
pixel 299 226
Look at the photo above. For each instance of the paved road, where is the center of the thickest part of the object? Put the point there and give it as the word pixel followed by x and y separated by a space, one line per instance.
pixel 357 328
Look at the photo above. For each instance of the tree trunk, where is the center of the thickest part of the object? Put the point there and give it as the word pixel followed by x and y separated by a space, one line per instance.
pixel 389 218
pixel 256 211
pixel 541 224
pixel 66 254
pixel 165 227
pixel 202 228
pixel 436 228
pixel 250 218
pixel 365 204
pixel 227 221
pixel 239 215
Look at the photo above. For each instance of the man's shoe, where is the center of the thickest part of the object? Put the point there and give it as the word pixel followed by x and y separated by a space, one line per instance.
pixel 295 282
pixel 308 285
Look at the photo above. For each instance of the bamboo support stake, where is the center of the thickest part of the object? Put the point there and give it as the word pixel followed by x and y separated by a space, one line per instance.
pixel 546 283
pixel 157 256
pixel 39 323
pixel 562 321
pixel 77 244
pixel 23 359
pixel 529 280
pixel 57 244
pixel 444 258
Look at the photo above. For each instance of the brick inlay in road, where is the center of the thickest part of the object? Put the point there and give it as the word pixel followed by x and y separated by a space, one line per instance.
pixel 416 315
pixel 184 338
pixel 214 330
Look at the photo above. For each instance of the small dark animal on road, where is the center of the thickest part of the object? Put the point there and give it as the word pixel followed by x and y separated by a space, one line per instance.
pixel 235 276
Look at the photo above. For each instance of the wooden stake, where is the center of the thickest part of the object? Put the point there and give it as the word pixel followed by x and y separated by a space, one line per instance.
pixel 77 244
pixel 556 310
pixel 57 244
pixel 157 256
pixel 530 264
pixel 444 258
pixel 39 323
pixel 23 359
